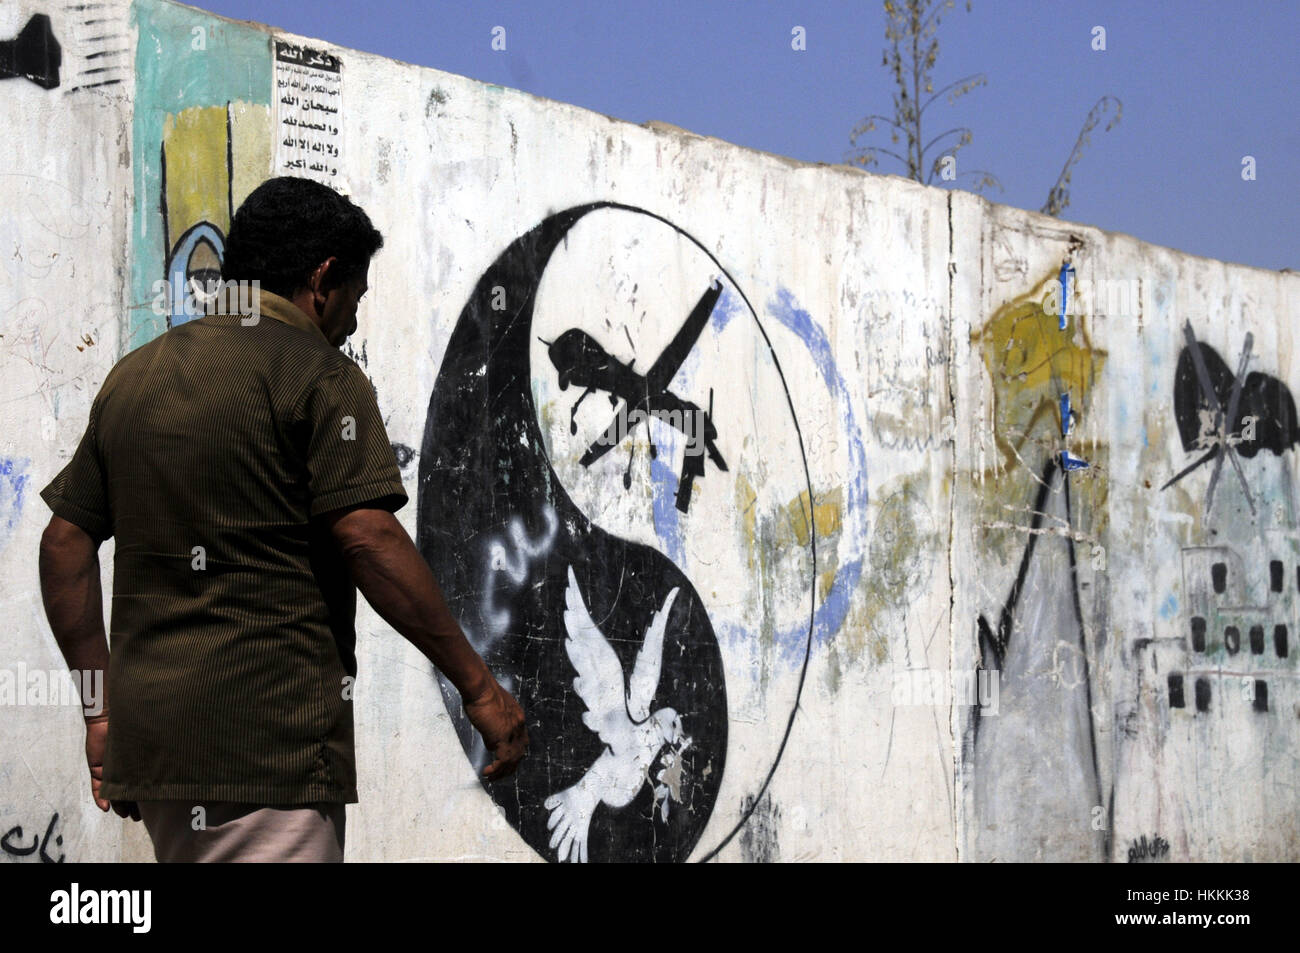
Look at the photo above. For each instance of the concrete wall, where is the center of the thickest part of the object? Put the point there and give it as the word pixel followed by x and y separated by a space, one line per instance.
pixel 884 505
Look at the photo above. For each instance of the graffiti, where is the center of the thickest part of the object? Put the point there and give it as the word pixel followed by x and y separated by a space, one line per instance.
pixel 33 54
pixel 1207 386
pixel 1236 599
pixel 569 574
pixel 758 841
pixel 899 545
pixel 832 610
pixel 580 360
pixel 1227 612
pixel 1040 621
pixel 1042 380
pixel 13 484
pixel 196 202
pixel 512 561
pixel 621 716
pixel 202 143
pixel 12 843
pixel 1031 364
pixel 1232 415
pixel 1143 850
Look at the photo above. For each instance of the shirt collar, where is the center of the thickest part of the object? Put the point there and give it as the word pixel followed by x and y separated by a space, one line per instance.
pixel 282 309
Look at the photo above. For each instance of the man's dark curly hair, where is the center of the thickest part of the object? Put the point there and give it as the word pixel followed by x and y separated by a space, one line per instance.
pixel 287 226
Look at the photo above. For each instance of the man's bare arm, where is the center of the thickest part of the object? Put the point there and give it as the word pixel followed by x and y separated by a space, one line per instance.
pixel 74 601
pixel 399 585
pixel 74 606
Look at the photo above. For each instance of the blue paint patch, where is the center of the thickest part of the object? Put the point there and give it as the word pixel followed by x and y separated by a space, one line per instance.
pixel 725 308
pixel 830 615
pixel 13 484
pixel 1066 270
pixel 1168 608
pixel 668 525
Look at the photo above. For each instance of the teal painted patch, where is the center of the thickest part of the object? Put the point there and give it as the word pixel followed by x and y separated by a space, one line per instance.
pixel 183 58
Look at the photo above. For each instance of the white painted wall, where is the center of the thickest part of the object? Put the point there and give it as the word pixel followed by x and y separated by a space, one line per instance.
pixel 874 294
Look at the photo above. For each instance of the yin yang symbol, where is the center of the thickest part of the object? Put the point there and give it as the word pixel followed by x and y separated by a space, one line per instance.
pixel 609 495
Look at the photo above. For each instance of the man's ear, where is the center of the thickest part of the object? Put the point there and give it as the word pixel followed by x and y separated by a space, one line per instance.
pixel 322 281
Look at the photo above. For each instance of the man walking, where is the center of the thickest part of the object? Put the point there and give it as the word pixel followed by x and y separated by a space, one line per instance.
pixel 242 465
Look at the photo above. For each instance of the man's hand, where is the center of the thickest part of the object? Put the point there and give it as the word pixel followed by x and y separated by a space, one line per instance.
pixel 96 738
pixel 498 718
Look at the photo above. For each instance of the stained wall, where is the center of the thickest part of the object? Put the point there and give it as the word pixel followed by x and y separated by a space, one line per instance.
pixel 867 497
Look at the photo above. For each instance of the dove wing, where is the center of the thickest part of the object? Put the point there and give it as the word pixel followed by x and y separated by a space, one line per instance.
pixel 645 676
pixel 600 674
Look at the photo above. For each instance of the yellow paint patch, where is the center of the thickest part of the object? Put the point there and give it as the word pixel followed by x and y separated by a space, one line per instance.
pixel 1031 361
pixel 198 179
pixel 213 156
pixel 825 519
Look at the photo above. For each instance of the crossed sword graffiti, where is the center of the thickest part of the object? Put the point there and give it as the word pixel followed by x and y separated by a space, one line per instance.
pixel 1221 447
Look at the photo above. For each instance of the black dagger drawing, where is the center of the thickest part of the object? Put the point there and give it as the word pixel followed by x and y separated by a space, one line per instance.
pixel 34 54
pixel 580 359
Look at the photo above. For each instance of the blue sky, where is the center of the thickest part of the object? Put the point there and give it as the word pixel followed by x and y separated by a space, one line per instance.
pixel 1202 85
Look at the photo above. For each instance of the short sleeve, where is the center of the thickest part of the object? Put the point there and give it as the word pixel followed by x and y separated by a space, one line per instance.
pixel 349 458
pixel 79 494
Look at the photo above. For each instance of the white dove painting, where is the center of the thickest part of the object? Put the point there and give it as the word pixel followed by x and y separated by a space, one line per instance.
pixel 619 713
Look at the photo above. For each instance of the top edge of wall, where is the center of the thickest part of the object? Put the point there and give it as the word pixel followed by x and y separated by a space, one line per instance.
pixel 659 127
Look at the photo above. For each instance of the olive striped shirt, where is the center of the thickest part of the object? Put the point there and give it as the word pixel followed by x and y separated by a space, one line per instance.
pixel 207 453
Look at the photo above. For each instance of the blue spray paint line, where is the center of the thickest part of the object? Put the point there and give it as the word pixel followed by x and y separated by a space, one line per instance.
pixel 1068 460
pixel 830 614
pixel 1169 608
pixel 1066 270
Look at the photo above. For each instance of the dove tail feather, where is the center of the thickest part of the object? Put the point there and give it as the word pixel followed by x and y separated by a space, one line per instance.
pixel 570 820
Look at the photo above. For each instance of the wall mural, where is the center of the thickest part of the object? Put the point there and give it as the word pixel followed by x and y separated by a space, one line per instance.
pixel 202 143
pixel 1160 716
pixel 578 452
pixel 1240 578
pixel 1037 760
pixel 614 492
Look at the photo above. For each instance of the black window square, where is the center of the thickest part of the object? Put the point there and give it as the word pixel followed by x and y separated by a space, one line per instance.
pixel 1256 640
pixel 1219 576
pixel 1198 633
pixel 1202 694
pixel 1176 699
pixel 1279 640
pixel 1261 695
pixel 1275 574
